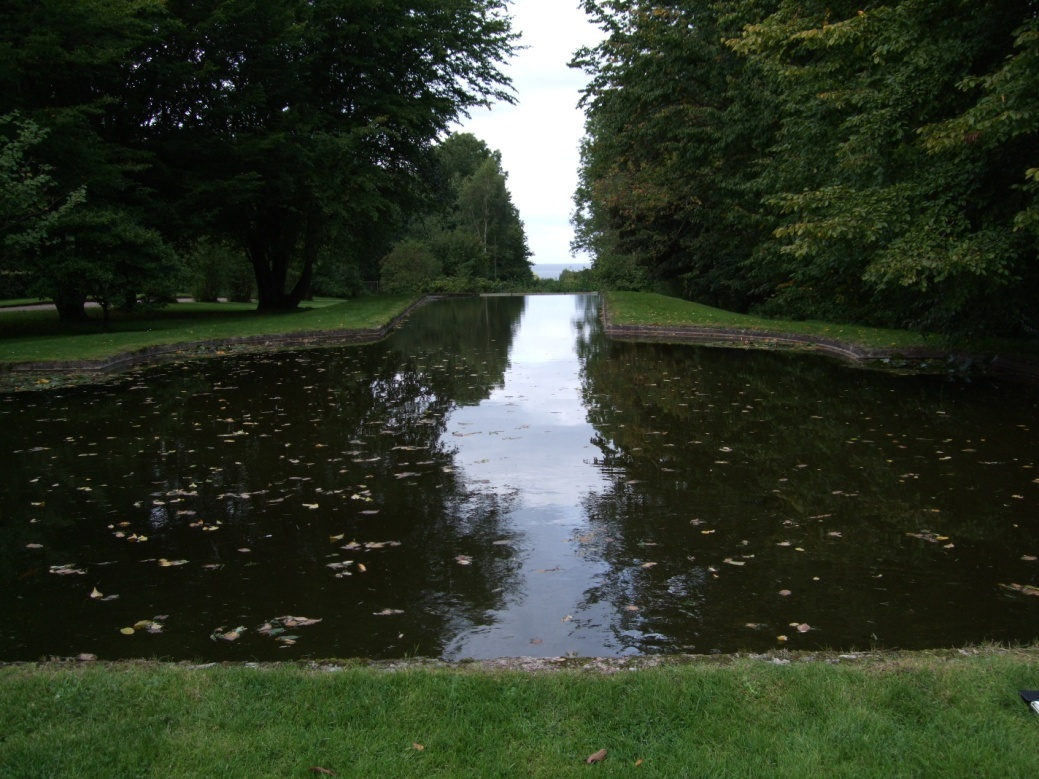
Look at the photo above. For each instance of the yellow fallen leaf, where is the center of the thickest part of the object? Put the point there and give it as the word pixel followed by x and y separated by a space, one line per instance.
pixel 417 746
pixel 96 594
pixel 126 631
pixel 596 757
pixel 339 537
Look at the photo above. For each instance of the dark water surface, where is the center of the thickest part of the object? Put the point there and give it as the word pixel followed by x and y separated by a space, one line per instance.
pixel 498 479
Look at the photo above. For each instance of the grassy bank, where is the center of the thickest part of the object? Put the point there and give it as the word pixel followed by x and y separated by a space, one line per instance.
pixel 38 335
pixel 913 716
pixel 645 308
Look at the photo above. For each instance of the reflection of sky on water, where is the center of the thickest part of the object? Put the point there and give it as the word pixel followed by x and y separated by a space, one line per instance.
pixel 531 439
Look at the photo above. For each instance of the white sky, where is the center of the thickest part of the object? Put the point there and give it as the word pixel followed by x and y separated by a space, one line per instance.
pixel 539 137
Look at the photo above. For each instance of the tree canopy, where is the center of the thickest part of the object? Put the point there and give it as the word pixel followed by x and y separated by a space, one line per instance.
pixel 470 224
pixel 871 162
pixel 279 127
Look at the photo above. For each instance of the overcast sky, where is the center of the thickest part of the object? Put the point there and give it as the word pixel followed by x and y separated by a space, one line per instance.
pixel 539 136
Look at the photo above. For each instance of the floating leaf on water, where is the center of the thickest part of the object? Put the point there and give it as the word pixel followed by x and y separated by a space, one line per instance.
pixel 1029 558
pixel 34 546
pixel 650 565
pixel 339 537
pixel 803 628
pixel 164 563
pixel 361 568
pixel 834 534
pixel 567 618
pixel 227 635
pixel 1024 589
pixel 310 505
pixel 781 638
pixel 67 570
pixel 293 622
pixel 631 607
pixel 730 561
pixel 387 612
pixel 463 559
pixel 96 594
pixel 784 593
pixel 127 631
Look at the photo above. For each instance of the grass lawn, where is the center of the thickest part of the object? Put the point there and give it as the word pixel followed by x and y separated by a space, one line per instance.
pixel 38 336
pixel 645 308
pixel 912 716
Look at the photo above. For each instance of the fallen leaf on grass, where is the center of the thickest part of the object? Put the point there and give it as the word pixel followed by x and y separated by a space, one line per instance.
pixel 316 769
pixel 596 757
pixel 417 746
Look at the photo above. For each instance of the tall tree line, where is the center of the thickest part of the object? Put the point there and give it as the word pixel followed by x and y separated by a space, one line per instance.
pixel 470 235
pixel 873 162
pixel 294 131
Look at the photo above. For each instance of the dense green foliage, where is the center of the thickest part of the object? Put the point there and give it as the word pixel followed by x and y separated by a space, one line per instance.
pixel 293 132
pixel 866 162
pixel 469 234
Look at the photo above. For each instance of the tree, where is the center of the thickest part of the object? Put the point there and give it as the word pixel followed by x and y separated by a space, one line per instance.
pixel 409 268
pixel 30 201
pixel 284 123
pixel 487 212
pixel 468 219
pixel 65 71
pixel 672 116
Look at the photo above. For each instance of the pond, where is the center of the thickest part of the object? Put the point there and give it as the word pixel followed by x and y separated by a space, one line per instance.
pixel 499 479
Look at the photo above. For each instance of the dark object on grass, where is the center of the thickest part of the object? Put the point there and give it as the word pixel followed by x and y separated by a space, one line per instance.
pixel 1031 698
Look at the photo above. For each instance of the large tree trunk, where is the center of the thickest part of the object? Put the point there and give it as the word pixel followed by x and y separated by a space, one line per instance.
pixel 271 253
pixel 70 306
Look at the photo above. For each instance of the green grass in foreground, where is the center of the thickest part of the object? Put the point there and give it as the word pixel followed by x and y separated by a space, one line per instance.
pixel 32 336
pixel 645 308
pixel 909 717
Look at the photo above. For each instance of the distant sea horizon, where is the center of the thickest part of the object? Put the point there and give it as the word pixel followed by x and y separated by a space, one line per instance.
pixel 552 270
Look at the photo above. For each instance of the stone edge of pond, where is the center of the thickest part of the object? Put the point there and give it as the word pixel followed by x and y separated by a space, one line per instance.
pixel 881 659
pixel 34 375
pixel 912 360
